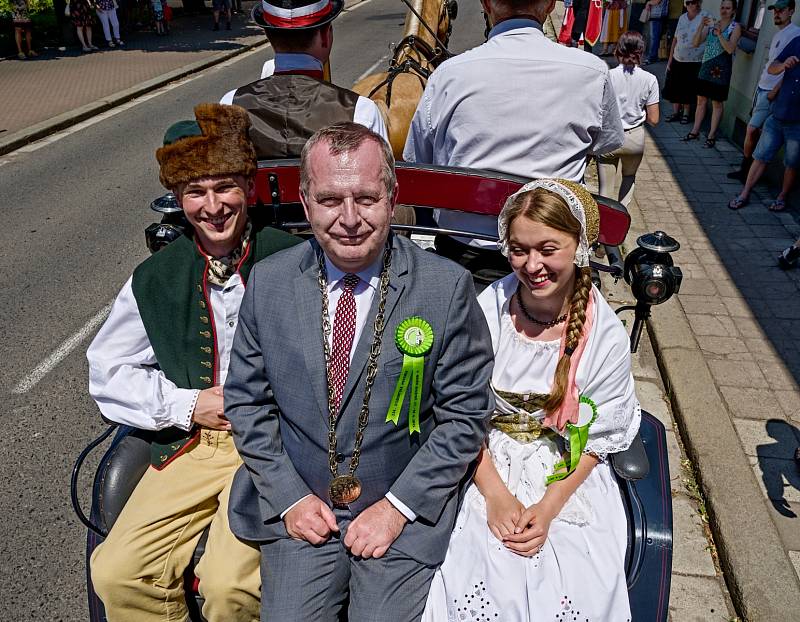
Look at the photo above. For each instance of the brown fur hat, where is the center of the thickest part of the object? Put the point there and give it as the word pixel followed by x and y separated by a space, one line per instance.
pixel 218 144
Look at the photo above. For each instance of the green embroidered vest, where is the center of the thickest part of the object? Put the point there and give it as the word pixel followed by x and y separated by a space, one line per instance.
pixel 171 292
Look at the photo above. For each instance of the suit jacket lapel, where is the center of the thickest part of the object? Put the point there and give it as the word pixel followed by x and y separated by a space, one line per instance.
pixel 398 273
pixel 308 306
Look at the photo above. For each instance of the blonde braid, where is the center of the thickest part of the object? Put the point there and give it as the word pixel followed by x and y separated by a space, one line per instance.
pixel 577 317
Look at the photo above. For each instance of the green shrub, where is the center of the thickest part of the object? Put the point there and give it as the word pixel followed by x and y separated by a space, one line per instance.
pixel 35 6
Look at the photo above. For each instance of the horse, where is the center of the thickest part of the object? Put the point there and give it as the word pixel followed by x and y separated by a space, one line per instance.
pixel 398 90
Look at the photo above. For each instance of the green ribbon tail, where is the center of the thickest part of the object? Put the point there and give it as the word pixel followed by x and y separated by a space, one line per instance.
pixel 417 369
pixel 578 438
pixel 396 405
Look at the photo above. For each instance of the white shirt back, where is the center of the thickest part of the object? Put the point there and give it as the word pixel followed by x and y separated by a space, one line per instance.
pixel 518 104
pixel 635 91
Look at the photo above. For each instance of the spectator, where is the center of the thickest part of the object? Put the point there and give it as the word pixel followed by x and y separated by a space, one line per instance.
pixel 637 99
pixel 221 7
pixel 714 78
pixel 22 24
pixel 680 85
pixel 781 127
pixel 80 12
pixel 158 17
pixel 107 14
pixel 787 260
pixel 615 22
pixel 768 85
pixel 658 16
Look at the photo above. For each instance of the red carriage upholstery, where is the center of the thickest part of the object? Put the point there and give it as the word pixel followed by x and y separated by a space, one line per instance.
pixel 465 190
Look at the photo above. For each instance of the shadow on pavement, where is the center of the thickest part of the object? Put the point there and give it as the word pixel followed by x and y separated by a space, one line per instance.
pixel 778 468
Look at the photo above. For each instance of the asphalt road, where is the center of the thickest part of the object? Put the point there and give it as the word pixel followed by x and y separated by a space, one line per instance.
pixel 73 212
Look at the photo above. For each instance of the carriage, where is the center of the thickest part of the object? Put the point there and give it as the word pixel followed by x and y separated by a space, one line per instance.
pixel 642 471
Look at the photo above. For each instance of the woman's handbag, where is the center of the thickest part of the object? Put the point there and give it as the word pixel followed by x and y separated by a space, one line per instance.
pixel 645 16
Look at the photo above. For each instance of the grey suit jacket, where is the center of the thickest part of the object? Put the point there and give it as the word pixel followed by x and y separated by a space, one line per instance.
pixel 276 397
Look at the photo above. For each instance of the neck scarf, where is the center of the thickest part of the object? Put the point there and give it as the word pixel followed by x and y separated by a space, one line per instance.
pixel 221 269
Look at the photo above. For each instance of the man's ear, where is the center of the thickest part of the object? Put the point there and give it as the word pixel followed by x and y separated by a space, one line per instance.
pixel 304 202
pixel 326 36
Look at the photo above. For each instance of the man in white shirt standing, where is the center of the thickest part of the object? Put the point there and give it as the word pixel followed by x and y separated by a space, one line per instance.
pixel 518 104
pixel 768 84
pixel 159 363
pixel 292 100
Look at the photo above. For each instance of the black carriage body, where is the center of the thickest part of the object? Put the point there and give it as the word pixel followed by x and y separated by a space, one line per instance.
pixel 642 471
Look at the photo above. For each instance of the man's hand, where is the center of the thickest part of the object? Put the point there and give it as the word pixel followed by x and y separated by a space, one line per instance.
pixel 209 411
pixel 310 520
pixel 502 513
pixel 531 530
pixel 790 62
pixel 373 531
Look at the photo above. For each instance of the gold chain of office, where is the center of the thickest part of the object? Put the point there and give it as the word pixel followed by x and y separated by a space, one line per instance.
pixel 344 489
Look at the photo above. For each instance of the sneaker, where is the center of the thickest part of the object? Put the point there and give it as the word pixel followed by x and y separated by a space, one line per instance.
pixel 21 56
pixel 788 258
pixel 111 44
pixel 120 43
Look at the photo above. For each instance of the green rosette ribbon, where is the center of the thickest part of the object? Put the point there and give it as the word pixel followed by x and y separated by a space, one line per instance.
pixel 414 338
pixel 578 437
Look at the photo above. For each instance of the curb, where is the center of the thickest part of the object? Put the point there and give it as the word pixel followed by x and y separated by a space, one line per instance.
pixel 761 580
pixel 75 116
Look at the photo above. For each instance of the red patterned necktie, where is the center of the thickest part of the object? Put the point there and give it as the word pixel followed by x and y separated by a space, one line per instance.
pixel 344 329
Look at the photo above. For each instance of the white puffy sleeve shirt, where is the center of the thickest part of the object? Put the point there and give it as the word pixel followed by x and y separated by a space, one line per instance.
pixel 124 378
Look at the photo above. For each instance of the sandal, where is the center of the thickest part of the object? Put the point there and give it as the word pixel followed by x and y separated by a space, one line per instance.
pixel 675 116
pixel 690 136
pixel 778 205
pixel 710 142
pixel 737 203
pixel 685 119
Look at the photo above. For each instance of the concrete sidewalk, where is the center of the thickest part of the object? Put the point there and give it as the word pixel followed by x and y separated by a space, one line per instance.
pixel 60 88
pixel 729 353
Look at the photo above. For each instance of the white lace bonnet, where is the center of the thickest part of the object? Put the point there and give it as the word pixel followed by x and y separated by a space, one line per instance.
pixel 581 204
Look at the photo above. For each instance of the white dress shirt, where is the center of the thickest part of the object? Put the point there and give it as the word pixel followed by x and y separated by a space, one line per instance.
pixel 366 112
pixel 518 104
pixel 124 378
pixel 364 292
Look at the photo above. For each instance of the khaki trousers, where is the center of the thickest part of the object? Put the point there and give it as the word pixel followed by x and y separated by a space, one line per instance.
pixel 138 571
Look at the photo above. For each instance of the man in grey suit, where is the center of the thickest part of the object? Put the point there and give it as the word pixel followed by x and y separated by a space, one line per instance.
pixel 352 492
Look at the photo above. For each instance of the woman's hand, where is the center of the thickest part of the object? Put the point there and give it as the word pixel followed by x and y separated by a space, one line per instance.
pixel 530 532
pixel 503 510
pixel 209 411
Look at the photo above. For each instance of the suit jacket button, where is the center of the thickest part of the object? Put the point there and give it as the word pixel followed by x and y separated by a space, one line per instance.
pixel 339 458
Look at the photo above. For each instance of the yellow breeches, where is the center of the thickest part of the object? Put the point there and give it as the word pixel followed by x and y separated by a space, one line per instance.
pixel 138 571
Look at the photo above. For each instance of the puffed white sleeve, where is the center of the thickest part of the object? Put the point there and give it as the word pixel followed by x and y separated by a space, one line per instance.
pixel 124 378
pixel 610 386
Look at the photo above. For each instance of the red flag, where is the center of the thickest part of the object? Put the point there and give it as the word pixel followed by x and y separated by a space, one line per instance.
pixel 565 35
pixel 594 22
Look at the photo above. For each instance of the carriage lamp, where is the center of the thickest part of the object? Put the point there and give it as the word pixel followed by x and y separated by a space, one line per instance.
pixel 172 226
pixel 649 269
pixel 653 277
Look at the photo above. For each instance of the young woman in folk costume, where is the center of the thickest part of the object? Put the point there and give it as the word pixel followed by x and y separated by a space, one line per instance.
pixel 542 534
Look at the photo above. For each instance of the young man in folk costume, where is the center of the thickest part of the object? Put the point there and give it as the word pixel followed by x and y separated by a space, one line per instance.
pixel 292 100
pixel 358 395
pixel 558 105
pixel 159 363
